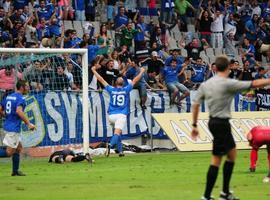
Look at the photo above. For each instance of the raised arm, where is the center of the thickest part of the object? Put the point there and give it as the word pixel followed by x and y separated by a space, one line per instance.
pixel 138 77
pixel 260 83
pixel 99 78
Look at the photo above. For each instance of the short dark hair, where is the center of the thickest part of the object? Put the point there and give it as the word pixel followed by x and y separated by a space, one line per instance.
pixel 222 63
pixel 20 83
pixel 174 60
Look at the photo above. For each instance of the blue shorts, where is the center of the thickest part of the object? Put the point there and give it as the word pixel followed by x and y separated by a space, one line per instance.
pixel 177 86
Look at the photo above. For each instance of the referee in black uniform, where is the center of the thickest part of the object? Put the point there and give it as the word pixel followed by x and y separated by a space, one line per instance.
pixel 218 92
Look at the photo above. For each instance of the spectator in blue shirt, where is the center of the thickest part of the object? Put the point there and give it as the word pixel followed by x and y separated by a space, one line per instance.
pixel 55 27
pixel 175 55
pixel 248 52
pixel 43 29
pixel 92 50
pixel 43 11
pixel 260 73
pixel 198 72
pixel 72 41
pixel 170 76
pixel 265 8
pixel 120 19
pixel 251 28
pixel 140 36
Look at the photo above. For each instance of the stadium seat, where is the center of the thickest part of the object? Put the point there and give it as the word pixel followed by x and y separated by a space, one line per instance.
pixel 209 52
pixel 68 24
pixel 212 58
pixel 184 52
pixel 172 44
pixel 155 19
pixel 96 26
pixel 191 28
pixel 218 51
pixel 78 27
pixel 202 54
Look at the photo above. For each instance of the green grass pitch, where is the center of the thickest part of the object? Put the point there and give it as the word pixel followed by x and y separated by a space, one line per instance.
pixel 153 176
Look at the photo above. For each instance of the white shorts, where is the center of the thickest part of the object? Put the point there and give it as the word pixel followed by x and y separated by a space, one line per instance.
pixel 12 139
pixel 118 120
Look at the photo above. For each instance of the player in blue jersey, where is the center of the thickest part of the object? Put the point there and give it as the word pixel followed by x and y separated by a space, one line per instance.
pixel 118 107
pixel 12 107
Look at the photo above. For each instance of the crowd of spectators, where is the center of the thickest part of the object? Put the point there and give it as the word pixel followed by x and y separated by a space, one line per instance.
pixel 175 40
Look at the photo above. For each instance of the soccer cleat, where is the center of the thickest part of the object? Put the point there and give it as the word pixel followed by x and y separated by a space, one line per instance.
pixel 121 154
pixel 18 173
pixel 252 169
pixel 266 179
pixel 210 198
pixel 227 196
pixel 108 149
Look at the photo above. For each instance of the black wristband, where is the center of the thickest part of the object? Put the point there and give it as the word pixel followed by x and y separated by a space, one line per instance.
pixel 194 125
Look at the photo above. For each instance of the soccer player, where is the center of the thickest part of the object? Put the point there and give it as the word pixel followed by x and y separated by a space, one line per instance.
pixel 218 92
pixel 258 136
pixel 118 107
pixel 12 107
pixel 68 155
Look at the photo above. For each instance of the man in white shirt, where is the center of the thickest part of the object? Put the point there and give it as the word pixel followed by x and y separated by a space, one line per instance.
pixel 217 30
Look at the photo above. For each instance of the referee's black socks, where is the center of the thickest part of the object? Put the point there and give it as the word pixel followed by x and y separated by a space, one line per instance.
pixel 227 174
pixel 211 179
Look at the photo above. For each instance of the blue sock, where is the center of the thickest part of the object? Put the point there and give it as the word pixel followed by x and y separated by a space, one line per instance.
pixel 15 162
pixel 114 140
pixel 3 152
pixel 119 145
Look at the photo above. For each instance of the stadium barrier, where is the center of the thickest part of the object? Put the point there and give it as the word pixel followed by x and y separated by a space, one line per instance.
pixel 57 116
pixel 178 127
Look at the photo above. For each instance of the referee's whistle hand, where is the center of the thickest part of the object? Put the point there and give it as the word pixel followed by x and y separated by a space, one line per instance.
pixel 194 134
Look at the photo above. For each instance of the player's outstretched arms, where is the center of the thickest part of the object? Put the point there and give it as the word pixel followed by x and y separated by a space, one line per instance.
pixel 138 77
pixel 99 78
pixel 260 83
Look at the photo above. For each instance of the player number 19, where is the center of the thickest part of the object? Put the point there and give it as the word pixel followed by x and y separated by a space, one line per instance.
pixel 118 100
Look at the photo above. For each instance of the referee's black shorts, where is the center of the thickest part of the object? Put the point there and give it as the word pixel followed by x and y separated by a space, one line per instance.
pixel 223 140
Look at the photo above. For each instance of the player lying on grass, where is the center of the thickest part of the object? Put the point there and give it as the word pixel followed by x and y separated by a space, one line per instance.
pixel 257 137
pixel 68 155
pixel 118 106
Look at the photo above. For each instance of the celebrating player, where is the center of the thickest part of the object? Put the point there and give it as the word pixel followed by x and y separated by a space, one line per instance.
pixel 118 107
pixel 219 92
pixel 258 136
pixel 12 107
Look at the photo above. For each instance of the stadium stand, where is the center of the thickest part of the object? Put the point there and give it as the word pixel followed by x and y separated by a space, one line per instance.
pixel 38 24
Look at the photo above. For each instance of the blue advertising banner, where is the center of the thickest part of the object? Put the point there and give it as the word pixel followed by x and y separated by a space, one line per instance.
pixel 58 116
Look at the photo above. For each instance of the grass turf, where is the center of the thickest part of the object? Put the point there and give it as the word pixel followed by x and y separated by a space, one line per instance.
pixel 155 176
